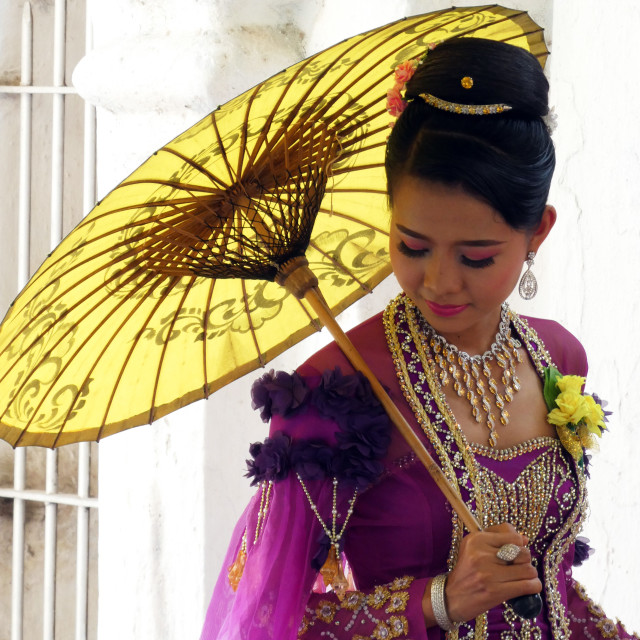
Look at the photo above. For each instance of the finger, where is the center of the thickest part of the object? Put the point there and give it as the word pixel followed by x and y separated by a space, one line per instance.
pixel 519 588
pixel 516 573
pixel 524 557
pixel 523 587
pixel 498 539
pixel 509 552
pixel 504 573
pixel 504 527
pixel 507 528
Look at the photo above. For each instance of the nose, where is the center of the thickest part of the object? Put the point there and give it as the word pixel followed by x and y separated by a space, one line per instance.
pixel 442 277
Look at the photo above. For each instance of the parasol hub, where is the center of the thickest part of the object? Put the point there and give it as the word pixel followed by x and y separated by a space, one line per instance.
pixel 296 276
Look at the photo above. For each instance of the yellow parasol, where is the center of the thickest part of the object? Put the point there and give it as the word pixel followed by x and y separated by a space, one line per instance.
pixel 165 292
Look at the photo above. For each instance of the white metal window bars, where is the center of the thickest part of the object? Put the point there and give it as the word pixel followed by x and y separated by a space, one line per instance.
pixel 19 494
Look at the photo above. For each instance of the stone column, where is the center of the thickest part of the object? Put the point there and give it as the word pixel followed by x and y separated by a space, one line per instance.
pixel 156 69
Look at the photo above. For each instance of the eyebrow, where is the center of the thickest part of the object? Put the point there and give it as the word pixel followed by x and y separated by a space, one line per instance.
pixel 468 243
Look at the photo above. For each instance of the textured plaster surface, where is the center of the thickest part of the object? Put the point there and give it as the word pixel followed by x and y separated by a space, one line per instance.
pixel 594 283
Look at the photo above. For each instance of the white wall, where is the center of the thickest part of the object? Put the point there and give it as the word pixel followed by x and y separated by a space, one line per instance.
pixel 595 264
pixel 170 493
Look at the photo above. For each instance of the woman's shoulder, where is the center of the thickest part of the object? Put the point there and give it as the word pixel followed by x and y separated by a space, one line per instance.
pixel 324 419
pixel 311 401
pixel 565 349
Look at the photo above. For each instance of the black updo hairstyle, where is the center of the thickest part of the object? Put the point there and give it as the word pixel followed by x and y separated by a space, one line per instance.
pixel 505 159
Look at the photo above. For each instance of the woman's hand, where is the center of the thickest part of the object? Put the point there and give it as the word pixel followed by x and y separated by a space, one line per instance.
pixel 480 581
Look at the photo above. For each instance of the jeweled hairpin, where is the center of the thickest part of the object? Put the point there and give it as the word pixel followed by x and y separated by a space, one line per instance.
pixel 466 109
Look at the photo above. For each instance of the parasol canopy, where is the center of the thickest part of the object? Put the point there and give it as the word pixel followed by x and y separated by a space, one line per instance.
pixel 167 290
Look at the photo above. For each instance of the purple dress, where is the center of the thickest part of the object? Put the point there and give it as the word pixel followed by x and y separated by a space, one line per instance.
pixel 333 464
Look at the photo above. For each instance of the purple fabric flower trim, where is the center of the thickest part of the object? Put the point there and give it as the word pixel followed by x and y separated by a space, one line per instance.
pixel 362 441
pixel 367 434
pixel 278 392
pixel 312 459
pixel 583 551
pixel 271 459
pixel 356 470
pixel 338 395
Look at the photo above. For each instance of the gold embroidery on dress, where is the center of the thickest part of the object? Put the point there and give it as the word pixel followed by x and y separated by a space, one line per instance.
pixel 608 628
pixel 512 452
pixel 325 616
pixel 410 358
pixel 525 501
pixel 573 525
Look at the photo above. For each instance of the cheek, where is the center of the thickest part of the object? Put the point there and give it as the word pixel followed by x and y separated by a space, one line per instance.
pixel 406 270
pixel 504 280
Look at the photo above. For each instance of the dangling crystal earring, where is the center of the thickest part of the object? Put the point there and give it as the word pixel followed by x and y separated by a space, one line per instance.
pixel 528 286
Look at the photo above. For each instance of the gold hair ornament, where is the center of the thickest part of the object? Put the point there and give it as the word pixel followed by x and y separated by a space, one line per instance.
pixel 465 109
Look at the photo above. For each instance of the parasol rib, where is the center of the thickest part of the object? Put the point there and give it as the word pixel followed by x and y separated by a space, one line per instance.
pixel 47 309
pixel 223 151
pixel 205 324
pixel 134 344
pixel 44 357
pixel 245 127
pixel 251 327
pixel 348 152
pixel 197 166
pixel 363 167
pixel 379 192
pixel 340 266
pixel 165 345
pixel 345 216
pixel 165 183
pixel 314 321
pixel 98 359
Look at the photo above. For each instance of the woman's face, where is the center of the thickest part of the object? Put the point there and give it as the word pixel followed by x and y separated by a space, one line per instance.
pixel 457 259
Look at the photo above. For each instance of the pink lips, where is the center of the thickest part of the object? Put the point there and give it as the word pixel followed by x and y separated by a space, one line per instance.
pixel 446 310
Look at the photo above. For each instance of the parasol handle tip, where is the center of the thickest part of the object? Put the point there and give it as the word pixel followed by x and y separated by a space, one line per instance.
pixel 296 276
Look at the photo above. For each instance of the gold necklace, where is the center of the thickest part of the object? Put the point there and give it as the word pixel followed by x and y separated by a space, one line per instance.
pixel 471 375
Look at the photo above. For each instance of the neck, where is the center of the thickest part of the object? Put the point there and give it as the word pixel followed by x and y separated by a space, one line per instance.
pixel 477 339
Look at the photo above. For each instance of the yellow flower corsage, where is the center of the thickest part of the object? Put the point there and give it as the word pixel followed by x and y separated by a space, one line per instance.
pixel 577 417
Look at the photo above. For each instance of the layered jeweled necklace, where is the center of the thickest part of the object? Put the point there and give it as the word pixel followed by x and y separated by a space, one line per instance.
pixel 472 376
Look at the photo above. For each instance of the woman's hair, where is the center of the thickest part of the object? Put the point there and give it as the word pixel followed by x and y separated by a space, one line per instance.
pixel 506 159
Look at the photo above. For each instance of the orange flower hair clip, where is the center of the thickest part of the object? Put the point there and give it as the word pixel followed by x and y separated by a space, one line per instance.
pixel 401 75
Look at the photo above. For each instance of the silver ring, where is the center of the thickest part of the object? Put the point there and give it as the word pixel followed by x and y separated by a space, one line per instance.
pixel 508 552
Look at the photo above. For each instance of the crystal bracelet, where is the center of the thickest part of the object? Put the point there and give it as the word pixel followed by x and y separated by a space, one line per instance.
pixel 438 604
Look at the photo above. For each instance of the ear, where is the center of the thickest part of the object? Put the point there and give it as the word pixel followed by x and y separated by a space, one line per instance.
pixel 539 235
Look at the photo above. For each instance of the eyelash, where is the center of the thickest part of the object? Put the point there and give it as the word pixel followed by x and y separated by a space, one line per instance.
pixel 467 262
pixel 477 264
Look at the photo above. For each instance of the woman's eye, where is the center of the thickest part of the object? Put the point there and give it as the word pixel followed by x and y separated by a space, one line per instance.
pixel 477 264
pixel 411 251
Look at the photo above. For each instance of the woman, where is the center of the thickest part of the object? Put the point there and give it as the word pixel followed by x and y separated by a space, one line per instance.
pixel 467 192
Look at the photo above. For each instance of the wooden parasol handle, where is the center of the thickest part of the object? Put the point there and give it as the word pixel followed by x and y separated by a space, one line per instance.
pixel 317 302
